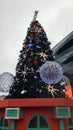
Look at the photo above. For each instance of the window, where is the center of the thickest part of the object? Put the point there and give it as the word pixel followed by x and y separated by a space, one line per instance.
pixel 33 122
pixel 3 123
pixel 71 123
pixel 43 122
pixel 38 122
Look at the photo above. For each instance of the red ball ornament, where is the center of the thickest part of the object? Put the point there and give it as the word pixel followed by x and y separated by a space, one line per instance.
pixel 35 60
pixel 37 36
pixel 34 24
pixel 29 60
pixel 31 35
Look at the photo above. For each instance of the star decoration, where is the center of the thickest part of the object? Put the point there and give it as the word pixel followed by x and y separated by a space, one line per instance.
pixel 52 90
pixel 37 29
pixel 41 54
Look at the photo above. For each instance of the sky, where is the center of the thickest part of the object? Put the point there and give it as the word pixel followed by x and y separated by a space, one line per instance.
pixel 56 17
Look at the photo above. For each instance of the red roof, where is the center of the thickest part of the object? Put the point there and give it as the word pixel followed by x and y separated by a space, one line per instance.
pixel 36 102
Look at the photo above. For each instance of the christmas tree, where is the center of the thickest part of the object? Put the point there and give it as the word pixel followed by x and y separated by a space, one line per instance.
pixel 35 52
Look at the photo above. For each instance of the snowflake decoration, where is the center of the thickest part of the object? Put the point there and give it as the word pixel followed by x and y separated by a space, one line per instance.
pixel 52 90
pixel 26 71
pixel 22 73
pixel 41 54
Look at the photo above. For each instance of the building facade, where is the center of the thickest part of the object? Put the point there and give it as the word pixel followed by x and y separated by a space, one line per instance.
pixel 63 52
pixel 36 114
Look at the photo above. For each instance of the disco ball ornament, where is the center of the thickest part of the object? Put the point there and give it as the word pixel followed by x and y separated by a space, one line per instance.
pixel 6 80
pixel 51 72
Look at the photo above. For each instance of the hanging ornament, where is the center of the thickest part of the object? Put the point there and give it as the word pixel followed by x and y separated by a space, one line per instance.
pixel 28 49
pixel 52 90
pixel 31 53
pixel 40 30
pixel 36 36
pixel 51 72
pixel 23 91
pixel 38 70
pixel 43 55
pixel 38 47
pixel 35 77
pixel 37 29
pixel 6 80
pixel 24 56
pixel 35 60
pixel 32 36
pixel 29 61
pixel 24 73
pixel 30 44
pixel 65 81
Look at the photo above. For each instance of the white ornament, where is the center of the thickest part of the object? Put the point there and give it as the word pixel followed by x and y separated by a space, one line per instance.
pixel 6 80
pixel 41 54
pixel 23 91
pixel 65 80
pixel 52 90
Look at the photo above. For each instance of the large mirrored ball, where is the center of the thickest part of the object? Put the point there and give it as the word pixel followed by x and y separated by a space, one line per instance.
pixel 51 72
pixel 6 80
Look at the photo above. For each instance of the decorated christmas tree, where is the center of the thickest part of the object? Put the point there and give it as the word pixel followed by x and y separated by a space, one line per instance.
pixel 37 73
